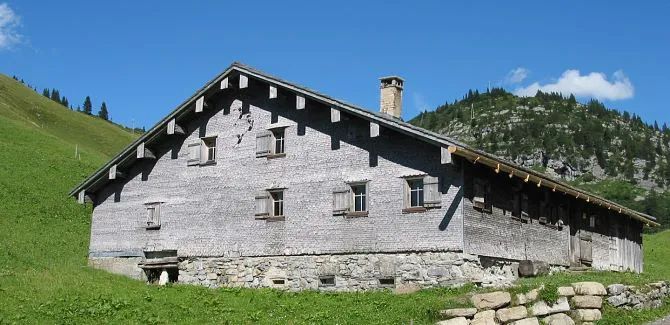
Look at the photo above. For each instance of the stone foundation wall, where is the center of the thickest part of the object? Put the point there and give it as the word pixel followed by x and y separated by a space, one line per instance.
pixel 350 272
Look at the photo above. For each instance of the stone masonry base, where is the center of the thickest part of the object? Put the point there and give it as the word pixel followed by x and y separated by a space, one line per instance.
pixel 346 272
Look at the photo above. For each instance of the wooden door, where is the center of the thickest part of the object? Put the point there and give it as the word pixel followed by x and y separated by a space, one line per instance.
pixel 586 239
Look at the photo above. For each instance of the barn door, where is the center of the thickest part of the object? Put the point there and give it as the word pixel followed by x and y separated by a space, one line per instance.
pixel 586 239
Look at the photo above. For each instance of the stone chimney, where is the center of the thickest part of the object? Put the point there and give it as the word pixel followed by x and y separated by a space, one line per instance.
pixel 390 100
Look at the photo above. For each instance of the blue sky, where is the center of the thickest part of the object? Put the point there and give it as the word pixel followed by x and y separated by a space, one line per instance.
pixel 145 57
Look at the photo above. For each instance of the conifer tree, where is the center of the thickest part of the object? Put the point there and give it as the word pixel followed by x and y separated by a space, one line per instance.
pixel 46 93
pixel 55 95
pixel 103 113
pixel 64 102
pixel 88 107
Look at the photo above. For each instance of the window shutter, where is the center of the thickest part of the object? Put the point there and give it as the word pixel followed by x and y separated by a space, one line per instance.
pixel 405 194
pixel 263 143
pixel 262 204
pixel 194 153
pixel 432 197
pixel 341 203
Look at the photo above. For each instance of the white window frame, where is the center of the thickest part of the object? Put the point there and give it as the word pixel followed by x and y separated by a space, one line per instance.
pixel 364 196
pixel 209 151
pixel 278 141
pixel 412 191
pixel 276 198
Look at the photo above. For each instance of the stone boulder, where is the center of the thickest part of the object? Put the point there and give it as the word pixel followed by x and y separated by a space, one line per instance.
pixel 589 289
pixel 587 315
pixel 618 300
pixel 529 268
pixel 566 291
pixel 484 321
pixel 530 296
pixel 507 315
pixel 541 308
pixel 615 289
pixel 558 319
pixel 485 314
pixel 454 321
pixel 486 317
pixel 458 312
pixel 492 300
pixel 585 302
pixel 406 288
pixel 526 321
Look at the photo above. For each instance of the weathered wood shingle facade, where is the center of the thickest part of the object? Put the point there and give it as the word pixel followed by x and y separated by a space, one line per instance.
pixel 258 182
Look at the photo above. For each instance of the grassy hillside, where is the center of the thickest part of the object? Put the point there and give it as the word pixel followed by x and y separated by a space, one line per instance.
pixel 44 244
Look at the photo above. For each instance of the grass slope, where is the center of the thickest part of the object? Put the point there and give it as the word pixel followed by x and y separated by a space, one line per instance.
pixel 44 244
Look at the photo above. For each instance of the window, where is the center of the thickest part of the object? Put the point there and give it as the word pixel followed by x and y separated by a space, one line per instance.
pixel 271 143
pixel 481 195
pixel 209 150
pixel 421 193
pixel 359 192
pixel 278 137
pixel 202 152
pixel 387 282
pixel 327 281
pixel 351 200
pixel 153 216
pixel 277 203
pixel 270 205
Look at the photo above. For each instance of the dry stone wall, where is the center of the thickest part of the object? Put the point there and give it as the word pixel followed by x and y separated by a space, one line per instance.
pixel 580 303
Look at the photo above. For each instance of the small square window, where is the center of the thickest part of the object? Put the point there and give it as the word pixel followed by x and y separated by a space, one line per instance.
pixel 327 281
pixel 387 282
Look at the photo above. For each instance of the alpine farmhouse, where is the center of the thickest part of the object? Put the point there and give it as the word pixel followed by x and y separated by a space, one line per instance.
pixel 258 182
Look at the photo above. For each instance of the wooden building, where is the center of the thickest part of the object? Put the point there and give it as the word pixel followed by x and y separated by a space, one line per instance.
pixel 258 182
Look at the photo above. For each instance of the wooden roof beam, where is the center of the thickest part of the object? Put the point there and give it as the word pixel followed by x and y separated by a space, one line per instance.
pixel 144 153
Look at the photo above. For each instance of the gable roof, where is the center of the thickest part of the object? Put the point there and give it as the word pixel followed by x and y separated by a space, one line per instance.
pixel 383 120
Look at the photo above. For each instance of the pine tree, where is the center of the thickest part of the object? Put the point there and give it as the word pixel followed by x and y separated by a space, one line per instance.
pixel 55 95
pixel 46 93
pixel 64 102
pixel 572 99
pixel 103 113
pixel 88 107
pixel 656 126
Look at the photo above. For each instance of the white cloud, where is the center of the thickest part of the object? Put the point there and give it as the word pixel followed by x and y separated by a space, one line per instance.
pixel 9 22
pixel 517 75
pixel 594 84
